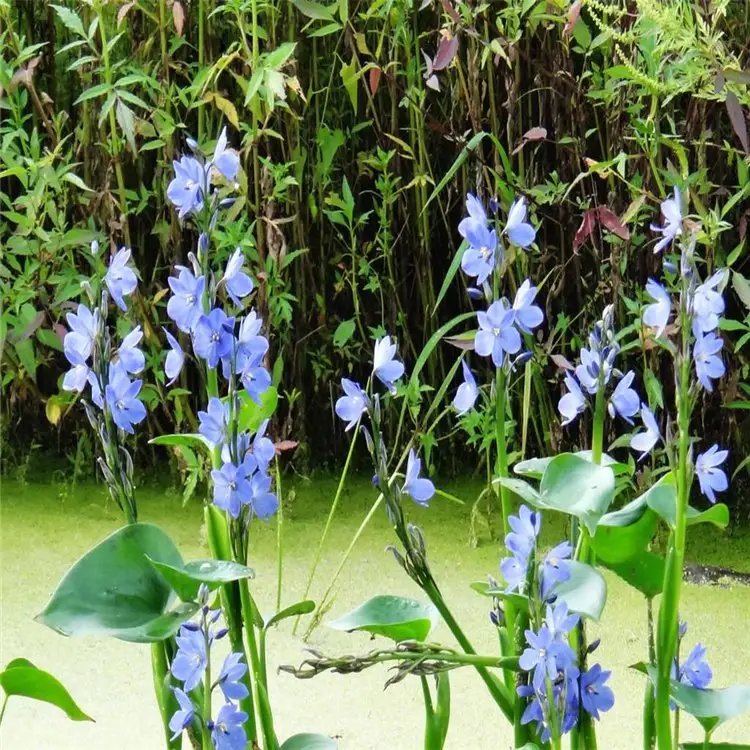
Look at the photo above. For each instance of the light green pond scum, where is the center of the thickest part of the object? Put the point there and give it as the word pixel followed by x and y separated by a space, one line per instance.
pixel 42 535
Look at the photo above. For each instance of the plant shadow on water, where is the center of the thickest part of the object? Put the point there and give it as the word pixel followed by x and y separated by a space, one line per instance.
pixel 42 537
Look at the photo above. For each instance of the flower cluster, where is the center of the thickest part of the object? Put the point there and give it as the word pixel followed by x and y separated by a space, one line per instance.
pixel 356 402
pixel 192 667
pixel 556 688
pixel 230 341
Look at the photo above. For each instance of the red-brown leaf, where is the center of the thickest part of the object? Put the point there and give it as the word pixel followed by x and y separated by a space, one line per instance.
pixel 451 11
pixel 609 220
pixel 584 231
pixel 446 51
pixel 737 117
pixel 375 74
pixel 603 216
pixel 285 445
pixel 178 16
pixel 573 14
pixel 561 362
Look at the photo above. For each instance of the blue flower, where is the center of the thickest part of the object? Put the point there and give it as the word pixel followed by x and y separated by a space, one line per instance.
pixel 545 656
pixel 595 695
pixel 255 378
pixel 190 661
pixel 478 259
pixel 251 345
pixel 672 212
pixel 122 399
pixel 78 346
pixel 656 315
pixel 573 402
pixel 214 336
pixel 708 304
pixel 232 487
pixel 232 672
pixel 708 364
pixel 226 161
pixel 519 231
pixel 418 488
pixel 129 356
pixel 624 400
pixel 592 363
pixel 695 670
pixel 384 365
pixel 183 717
pixel 352 405
pixel 559 621
pixel 186 190
pixel 467 392
pixel 213 422
pixel 175 358
pixel 477 216
pixel 186 305
pixel 120 279
pixel 555 568
pixel 520 542
pixel 496 335
pixel 528 316
pixel 264 502
pixel 262 447
pixel 227 732
pixel 645 441
pixel 711 478
pixel 238 283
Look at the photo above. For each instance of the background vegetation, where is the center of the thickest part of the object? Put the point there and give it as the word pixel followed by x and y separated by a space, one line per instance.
pixel 361 124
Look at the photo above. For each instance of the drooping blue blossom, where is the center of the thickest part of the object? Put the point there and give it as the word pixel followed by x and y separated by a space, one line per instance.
pixel 545 656
pixel 467 392
pixel 351 406
pixel 645 441
pixel 672 212
pixel 213 337
pixel 228 732
pixel 528 316
pixel 573 402
pixel 175 358
pixel 384 365
pixel 497 336
pixel 186 305
pixel 708 364
pixel 262 447
pixel 120 278
pixel 237 282
pixel 624 400
pixel 232 485
pixel 708 304
pixel 229 680
pixel 121 396
pixel 191 658
pixel 186 190
pixel 183 717
pixel 129 355
pixel 213 422
pixel 264 502
pixel 656 315
pixel 555 568
pixel 519 231
pixel 695 670
pixel 418 488
pixel 596 697
pixel 225 160
pixel 711 478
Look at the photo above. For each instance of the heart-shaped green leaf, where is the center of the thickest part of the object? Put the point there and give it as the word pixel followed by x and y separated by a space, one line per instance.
pixel 309 742
pixel 22 678
pixel 394 617
pixel 585 592
pixel 534 468
pixel 644 571
pixel 186 579
pixel 114 590
pixel 662 499
pixel 624 533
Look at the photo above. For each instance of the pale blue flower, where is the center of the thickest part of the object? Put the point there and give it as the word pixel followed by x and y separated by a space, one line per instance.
pixel 226 161
pixel 129 356
pixel 695 670
pixel 645 441
pixel 186 305
pixel 255 378
pixel 418 488
pixel 228 732
pixel 656 315
pixel 595 695
pixel 528 316
pixel 183 717
pixel 262 447
pixel 232 672
pixel 711 478
pixel 238 283
pixel 497 335
pixel 672 212
pixel 708 304
pixel 351 406
pixel 573 402
pixel 122 400
pixel 384 365
pixel 477 216
pixel 559 620
pixel 213 422
pixel 478 259
pixel 120 278
pixel 191 658
pixel 175 358
pixel 214 336
pixel 232 486
pixel 186 190
pixel 251 345
pixel 708 364
pixel 84 328
pixel 624 400
pixel 264 502
pixel 467 392
pixel 519 231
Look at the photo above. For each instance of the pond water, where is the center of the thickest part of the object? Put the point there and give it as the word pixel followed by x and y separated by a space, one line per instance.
pixel 46 528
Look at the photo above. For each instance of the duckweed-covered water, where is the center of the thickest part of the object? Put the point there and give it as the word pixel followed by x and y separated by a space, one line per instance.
pixel 44 530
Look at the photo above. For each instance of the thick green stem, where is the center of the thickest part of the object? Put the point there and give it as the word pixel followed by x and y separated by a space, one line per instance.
pixel 164 696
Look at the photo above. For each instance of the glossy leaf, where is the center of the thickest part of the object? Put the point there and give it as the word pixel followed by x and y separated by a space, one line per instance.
pixel 252 414
pixel 309 742
pixel 662 499
pixel 585 592
pixel 534 467
pixel 22 678
pixel 186 579
pixel 394 617
pixel 624 533
pixel 644 571
pixel 293 610
pixel 187 439
pixel 114 590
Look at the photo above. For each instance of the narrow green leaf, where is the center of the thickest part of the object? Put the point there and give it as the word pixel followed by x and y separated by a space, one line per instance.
pixel 300 608
pixel 316 11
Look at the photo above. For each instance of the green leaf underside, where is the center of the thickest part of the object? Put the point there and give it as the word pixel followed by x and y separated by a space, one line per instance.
pixel 534 467
pixel 309 742
pixel 662 499
pixel 22 678
pixel 186 579
pixel 114 590
pixel 395 617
